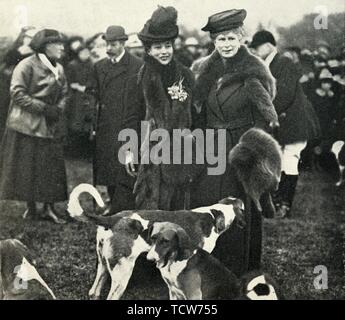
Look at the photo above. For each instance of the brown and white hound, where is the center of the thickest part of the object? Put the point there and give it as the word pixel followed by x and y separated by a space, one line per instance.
pixel 121 238
pixel 190 273
pixel 19 279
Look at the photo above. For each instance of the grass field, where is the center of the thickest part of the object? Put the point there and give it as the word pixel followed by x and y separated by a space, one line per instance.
pixel 292 247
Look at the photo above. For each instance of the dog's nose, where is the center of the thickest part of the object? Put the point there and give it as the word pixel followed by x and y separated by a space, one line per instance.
pixel 152 255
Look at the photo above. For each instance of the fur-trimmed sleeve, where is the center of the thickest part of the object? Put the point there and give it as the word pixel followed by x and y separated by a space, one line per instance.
pixel 261 99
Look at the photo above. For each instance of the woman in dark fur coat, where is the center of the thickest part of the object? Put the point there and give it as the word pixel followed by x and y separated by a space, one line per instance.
pixel 234 91
pixel 165 88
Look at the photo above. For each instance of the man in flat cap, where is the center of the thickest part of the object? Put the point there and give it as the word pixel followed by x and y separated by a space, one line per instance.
pixel 296 116
pixel 112 84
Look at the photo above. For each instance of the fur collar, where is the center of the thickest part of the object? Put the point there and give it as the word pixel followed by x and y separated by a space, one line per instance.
pixel 241 67
pixel 165 112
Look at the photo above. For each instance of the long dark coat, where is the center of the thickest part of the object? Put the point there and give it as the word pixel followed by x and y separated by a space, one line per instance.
pixel 298 121
pixel 80 109
pixel 5 98
pixel 235 97
pixel 110 85
pixel 162 186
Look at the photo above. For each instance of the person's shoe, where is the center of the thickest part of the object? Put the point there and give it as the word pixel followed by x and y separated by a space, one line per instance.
pixel 50 214
pixel 29 214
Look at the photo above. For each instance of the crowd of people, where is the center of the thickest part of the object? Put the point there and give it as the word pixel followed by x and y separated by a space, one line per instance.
pixel 60 93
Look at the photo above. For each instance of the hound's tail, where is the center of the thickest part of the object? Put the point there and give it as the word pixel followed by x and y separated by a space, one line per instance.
pixel 76 211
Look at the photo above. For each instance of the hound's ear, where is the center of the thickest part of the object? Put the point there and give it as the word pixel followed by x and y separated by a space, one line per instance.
pixel 238 207
pixel 25 251
pixel 219 221
pixel 183 245
pixel 238 203
pixel 136 226
pixel 147 233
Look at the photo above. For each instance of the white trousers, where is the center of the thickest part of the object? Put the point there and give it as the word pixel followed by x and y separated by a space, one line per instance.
pixel 291 153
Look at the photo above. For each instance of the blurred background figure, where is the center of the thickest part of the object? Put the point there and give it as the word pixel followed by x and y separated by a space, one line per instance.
pixel 80 110
pixel 322 54
pixel 324 100
pixel 72 45
pixel 135 46
pixel 204 52
pixel 97 47
pixel 181 53
pixel 192 46
pixel 293 53
pixel 188 52
pixel 205 49
pixel 21 46
pixel 307 69
pixel 19 50
pixel 179 42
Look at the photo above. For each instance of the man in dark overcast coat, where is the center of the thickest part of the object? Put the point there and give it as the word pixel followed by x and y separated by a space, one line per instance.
pixel 110 85
pixel 296 116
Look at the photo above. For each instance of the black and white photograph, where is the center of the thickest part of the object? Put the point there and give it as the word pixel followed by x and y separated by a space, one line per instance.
pixel 172 150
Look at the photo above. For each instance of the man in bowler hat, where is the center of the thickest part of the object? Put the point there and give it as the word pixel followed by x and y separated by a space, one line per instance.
pixel 113 84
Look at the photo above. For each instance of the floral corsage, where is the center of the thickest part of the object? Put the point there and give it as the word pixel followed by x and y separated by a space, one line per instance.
pixel 177 91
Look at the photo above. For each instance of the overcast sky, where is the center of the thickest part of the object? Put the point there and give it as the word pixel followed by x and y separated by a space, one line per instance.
pixel 86 17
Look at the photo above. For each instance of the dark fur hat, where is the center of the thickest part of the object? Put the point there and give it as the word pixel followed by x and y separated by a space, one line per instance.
pixel 161 27
pixel 42 37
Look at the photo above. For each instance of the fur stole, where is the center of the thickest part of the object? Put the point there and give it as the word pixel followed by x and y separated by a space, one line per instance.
pixel 243 66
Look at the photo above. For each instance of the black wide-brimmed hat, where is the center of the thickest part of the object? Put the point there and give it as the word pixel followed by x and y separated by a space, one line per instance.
pixel 114 33
pixel 225 20
pixel 45 36
pixel 262 37
pixel 161 27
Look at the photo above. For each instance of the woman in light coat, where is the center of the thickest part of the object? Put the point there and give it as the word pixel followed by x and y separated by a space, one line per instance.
pixel 32 167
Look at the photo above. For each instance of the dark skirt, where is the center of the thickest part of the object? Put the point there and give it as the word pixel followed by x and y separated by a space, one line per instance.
pixel 238 251
pixel 31 169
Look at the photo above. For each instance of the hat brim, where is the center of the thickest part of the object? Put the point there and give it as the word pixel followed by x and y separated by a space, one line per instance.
pixel 221 29
pixel 104 37
pixel 37 44
pixel 158 38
